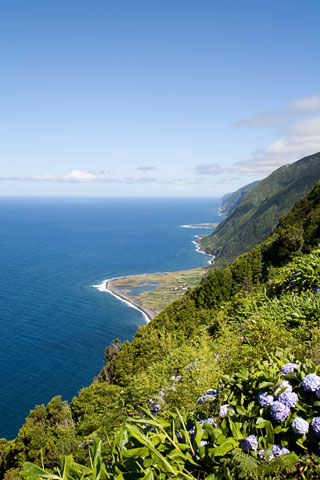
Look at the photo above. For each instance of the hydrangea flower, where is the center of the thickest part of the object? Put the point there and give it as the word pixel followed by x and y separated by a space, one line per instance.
pixel 288 398
pixel 157 407
pixel 279 450
pixel 203 443
pixel 316 426
pixel 208 396
pixel 265 400
pixel 317 289
pixel 300 426
pixel 311 382
pixel 266 455
pixel 289 368
pixel 279 411
pixel 249 443
pixel 207 420
pixel 224 410
pixel 318 392
pixel 285 385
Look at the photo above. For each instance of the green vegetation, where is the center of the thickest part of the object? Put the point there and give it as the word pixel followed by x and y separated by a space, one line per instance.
pixel 259 211
pixel 182 400
pixel 230 201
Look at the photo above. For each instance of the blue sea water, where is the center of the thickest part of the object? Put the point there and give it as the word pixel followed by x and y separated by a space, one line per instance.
pixel 54 324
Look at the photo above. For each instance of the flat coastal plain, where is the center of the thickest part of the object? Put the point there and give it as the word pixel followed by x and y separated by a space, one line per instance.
pixel 151 293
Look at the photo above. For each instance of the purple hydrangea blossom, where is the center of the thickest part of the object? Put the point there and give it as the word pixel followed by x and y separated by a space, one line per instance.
pixel 249 443
pixel 265 455
pixel 289 368
pixel 279 411
pixel 318 392
pixel 300 426
pixel 208 396
pixel 224 410
pixel 203 443
pixel 289 398
pixel 316 426
pixel 207 420
pixel 279 450
pixel 265 400
pixel 311 382
pixel 316 290
pixel 285 385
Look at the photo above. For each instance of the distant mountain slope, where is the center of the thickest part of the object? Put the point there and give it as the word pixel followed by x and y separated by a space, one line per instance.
pixel 230 201
pixel 258 212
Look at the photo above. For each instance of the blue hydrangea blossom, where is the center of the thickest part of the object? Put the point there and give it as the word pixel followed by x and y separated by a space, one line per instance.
pixel 264 399
pixel 316 426
pixel 207 420
pixel 289 368
pixel 224 410
pixel 279 450
pixel 249 443
pixel 311 382
pixel 279 411
pixel 300 426
pixel 208 396
pixel 289 398
pixel 285 385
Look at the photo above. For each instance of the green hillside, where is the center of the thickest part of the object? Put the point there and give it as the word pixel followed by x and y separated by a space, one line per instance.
pixel 184 398
pixel 259 210
pixel 230 201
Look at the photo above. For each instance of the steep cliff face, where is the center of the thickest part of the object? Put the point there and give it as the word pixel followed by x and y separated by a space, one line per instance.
pixel 259 210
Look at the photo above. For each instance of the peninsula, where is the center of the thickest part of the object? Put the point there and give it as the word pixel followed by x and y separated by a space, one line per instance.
pixel 151 293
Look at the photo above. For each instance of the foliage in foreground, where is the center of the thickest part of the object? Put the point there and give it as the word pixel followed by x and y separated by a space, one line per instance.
pixel 269 427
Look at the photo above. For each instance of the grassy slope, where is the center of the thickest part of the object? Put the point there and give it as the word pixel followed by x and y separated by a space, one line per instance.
pixel 259 211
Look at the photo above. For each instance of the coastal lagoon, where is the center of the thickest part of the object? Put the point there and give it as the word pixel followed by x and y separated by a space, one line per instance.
pixel 54 324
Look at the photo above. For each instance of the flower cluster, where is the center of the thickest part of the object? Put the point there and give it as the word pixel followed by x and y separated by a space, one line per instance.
pixel 265 400
pixel 279 450
pixel 207 420
pixel 208 396
pixel 225 410
pixel 311 382
pixel 279 411
pixel 300 426
pixel 289 368
pixel 316 290
pixel 249 443
pixel 288 398
pixel 285 385
pixel 316 426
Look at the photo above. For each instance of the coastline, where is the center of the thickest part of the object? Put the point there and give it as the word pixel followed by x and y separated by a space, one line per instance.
pixel 108 286
pixel 198 249
pixel 148 313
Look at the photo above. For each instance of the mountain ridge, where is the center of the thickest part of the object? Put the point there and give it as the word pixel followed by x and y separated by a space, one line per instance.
pixel 260 209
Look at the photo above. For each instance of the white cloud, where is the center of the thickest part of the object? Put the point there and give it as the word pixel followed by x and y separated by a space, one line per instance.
pixel 79 176
pixel 260 120
pixel 208 169
pixel 302 139
pixel 298 106
pixel 305 105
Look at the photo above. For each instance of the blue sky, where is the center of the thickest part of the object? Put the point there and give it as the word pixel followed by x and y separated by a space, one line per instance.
pixel 170 97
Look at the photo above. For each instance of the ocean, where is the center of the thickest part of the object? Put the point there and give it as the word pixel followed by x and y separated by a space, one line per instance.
pixel 54 324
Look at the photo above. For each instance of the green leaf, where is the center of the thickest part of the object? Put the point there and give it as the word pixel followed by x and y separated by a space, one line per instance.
pixel 225 448
pixel 33 471
pixel 136 452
